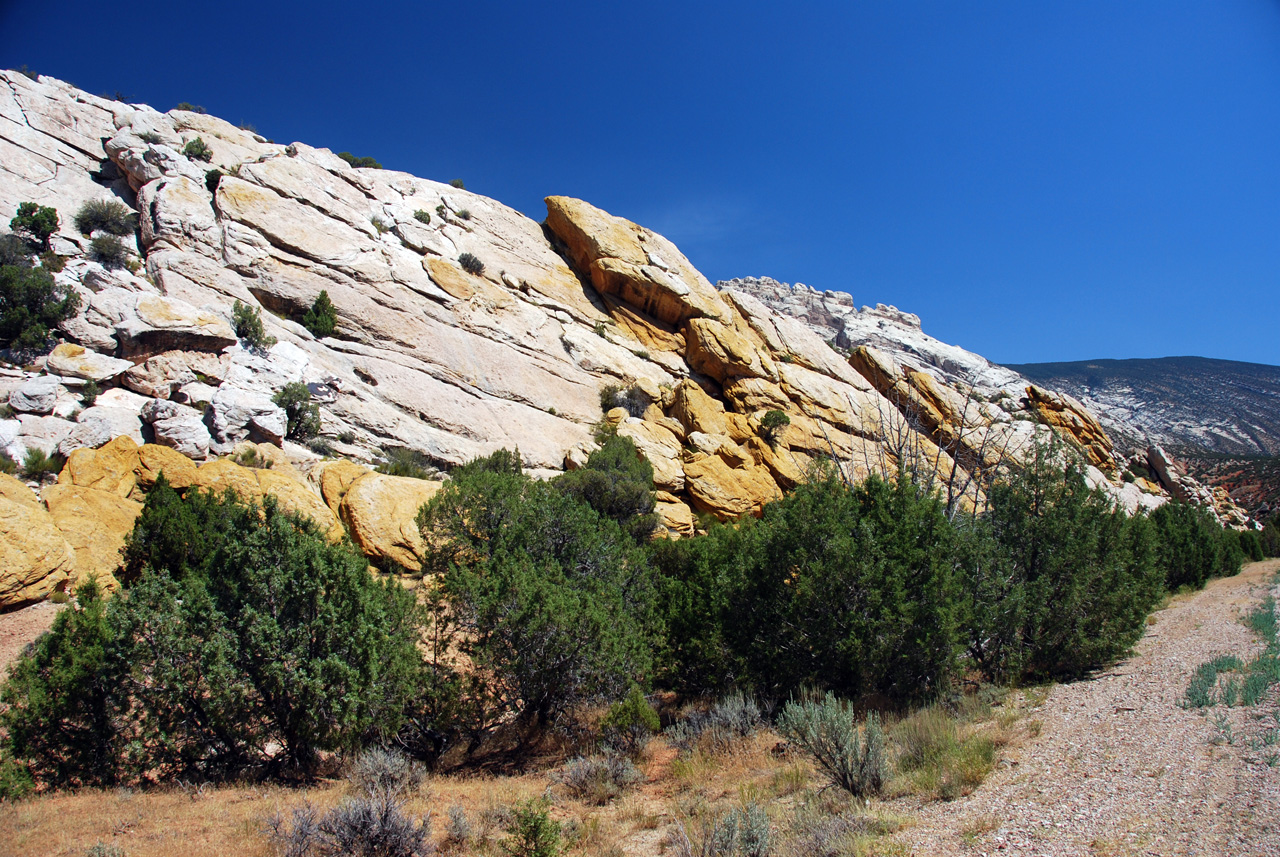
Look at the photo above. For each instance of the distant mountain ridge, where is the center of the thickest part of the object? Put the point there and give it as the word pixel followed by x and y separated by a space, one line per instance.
pixel 1188 404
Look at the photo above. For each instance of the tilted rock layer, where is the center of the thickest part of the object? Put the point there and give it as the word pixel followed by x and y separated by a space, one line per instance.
pixel 560 322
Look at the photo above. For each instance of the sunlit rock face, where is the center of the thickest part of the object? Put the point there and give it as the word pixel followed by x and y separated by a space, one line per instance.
pixel 463 327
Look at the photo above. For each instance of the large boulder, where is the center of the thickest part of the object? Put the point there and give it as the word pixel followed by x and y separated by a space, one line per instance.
pixel 110 468
pixel 381 511
pixel 38 395
pixel 157 324
pixel 178 427
pixel 237 413
pixel 78 362
pixel 335 478
pixel 95 523
pixel 35 557
pixel 297 497
pixel 153 459
pixel 97 425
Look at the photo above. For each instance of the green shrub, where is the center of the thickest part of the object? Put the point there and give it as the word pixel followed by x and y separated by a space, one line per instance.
pixel 89 393
pixel 15 781
pixel 62 715
pixel 550 602
pixel 248 643
pixel 105 215
pixel 402 461
pixel 31 304
pixel 198 150
pixel 7 464
pixel 464 214
pixel 771 426
pixel 109 251
pixel 37 222
pixel 458 183
pixel 247 322
pixel 422 216
pixel 442 212
pixel 632 399
pixel 1067 583
pixel 629 723
pixel 471 264
pixel 322 318
pixel 852 759
pixel 1189 544
pixel 617 481
pixel 532 833
pixel 365 163
pixel 15 251
pixel 52 262
pixel 212 178
pixel 38 465
pixel 303 414
pixel 851 589
pixel 150 137
pixel 190 108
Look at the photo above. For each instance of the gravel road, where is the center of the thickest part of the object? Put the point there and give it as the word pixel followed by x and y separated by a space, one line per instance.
pixel 1120 768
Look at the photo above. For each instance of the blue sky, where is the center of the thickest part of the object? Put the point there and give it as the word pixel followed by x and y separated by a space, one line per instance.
pixel 1038 181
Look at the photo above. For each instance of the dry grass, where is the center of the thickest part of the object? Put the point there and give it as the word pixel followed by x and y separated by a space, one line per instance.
pixel 947 753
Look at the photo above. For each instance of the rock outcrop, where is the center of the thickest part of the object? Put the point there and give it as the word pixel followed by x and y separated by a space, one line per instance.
pixel 450 360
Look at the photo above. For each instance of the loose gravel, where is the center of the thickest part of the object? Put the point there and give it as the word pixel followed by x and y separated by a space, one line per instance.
pixel 1120 768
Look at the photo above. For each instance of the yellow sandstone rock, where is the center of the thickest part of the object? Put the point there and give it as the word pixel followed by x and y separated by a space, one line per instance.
pixel 95 524
pixel 35 557
pixel 381 513
pixel 108 468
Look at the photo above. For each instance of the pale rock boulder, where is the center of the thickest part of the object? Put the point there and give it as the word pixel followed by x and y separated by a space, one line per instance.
pixel 676 517
pixel 380 512
pixel 75 361
pixel 236 413
pixel 35 557
pixel 38 395
pixel 97 425
pixel 178 427
pixel 95 523
pixel 160 324
pixel 631 262
pixel 161 376
pixel 42 433
pixel 223 474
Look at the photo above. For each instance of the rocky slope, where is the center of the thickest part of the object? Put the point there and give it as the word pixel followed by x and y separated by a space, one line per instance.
pixel 565 315
pixel 1187 404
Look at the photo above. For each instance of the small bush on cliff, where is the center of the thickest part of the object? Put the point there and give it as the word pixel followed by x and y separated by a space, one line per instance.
pixel 37 222
pixel 302 413
pixel 198 150
pixel 771 426
pixel 617 482
pixel 365 163
pixel 322 318
pixel 109 251
pixel 422 216
pixel 471 264
pixel 247 322
pixel 105 215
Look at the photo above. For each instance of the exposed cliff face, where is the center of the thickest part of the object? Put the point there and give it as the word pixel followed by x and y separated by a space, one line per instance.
pixel 429 355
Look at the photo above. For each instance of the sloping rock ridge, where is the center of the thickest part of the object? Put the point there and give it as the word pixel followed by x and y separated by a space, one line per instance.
pixel 462 327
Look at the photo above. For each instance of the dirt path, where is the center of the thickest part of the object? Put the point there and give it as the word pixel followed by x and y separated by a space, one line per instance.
pixel 1120 768
pixel 20 627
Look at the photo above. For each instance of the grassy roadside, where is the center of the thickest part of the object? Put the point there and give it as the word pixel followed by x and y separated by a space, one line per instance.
pixel 687 795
